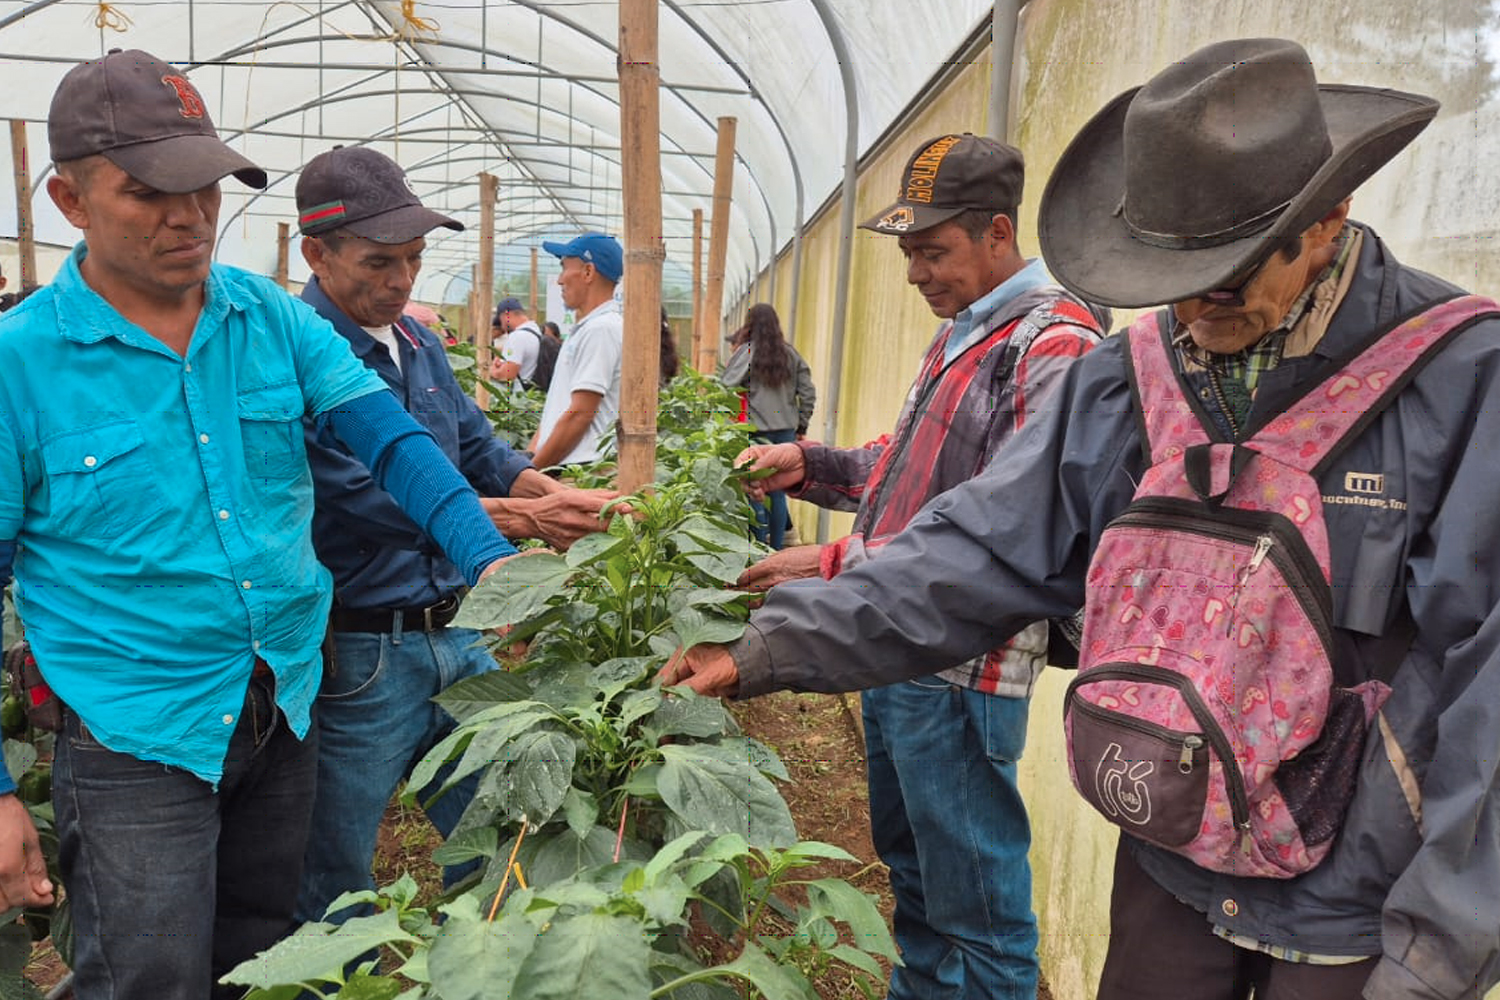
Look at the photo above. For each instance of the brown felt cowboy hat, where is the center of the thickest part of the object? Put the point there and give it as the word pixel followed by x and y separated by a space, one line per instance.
pixel 1187 184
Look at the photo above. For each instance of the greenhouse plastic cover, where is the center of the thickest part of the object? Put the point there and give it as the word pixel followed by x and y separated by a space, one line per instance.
pixel 521 89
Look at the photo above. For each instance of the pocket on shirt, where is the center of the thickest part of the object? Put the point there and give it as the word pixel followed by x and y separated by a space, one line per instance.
pixel 101 480
pixel 271 431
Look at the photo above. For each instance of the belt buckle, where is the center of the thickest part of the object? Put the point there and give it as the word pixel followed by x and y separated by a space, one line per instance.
pixel 442 607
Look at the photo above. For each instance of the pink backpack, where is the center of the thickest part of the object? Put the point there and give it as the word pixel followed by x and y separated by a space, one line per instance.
pixel 1205 717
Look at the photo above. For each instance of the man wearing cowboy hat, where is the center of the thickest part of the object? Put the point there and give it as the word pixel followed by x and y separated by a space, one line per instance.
pixel 1223 187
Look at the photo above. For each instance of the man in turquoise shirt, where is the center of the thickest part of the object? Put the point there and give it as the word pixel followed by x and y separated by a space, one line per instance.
pixel 155 495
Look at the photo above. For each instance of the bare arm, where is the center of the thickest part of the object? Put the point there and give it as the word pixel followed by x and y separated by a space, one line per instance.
pixel 569 430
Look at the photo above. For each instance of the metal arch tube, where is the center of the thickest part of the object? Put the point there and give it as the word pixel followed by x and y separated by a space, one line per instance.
pixel 1004 26
pixel 846 236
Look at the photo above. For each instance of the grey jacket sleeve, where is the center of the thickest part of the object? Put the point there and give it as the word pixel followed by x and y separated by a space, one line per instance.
pixel 807 393
pixel 736 368
pixel 979 562
pixel 1440 917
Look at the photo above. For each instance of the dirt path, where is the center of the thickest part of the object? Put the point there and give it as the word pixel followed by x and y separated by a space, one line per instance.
pixel 818 739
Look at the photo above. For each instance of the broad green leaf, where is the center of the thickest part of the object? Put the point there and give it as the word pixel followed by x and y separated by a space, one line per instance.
pixel 774 981
pixel 686 714
pixel 665 903
pixel 517 591
pixel 862 961
pixel 717 790
pixel 474 694
pixel 694 628
pixel 592 548
pixel 365 987
pixel 492 733
pixel 482 842
pixel 808 849
pixel 581 810
pixel 725 567
pixel 313 954
pixel 638 704
pixel 19 756
pixel 587 956
pixel 613 676
pixel 764 758
pixel 671 853
pixel 843 902
pixel 566 685
pixel 541 771
pixel 403 891
pixel 642 782
pixel 555 855
pixel 705 597
pixel 715 537
pixel 475 960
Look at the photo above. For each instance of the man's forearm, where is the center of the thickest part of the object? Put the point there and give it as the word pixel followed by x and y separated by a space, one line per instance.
pixel 532 484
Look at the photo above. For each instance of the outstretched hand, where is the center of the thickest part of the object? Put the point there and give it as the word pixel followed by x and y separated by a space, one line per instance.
pixel 800 562
pixel 23 870
pixel 787 461
pixel 708 670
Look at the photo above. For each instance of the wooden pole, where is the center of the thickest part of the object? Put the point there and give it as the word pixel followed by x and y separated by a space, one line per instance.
pixel 484 282
pixel 533 284
pixel 697 328
pixel 25 227
pixel 718 247
pixel 640 168
pixel 283 252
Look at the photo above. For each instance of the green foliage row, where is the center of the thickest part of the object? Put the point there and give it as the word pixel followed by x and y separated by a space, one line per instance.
pixel 609 811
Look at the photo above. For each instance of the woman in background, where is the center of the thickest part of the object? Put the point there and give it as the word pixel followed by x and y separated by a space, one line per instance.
pixel 779 394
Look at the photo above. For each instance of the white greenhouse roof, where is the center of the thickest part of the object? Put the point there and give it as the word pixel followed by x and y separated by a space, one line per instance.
pixel 522 89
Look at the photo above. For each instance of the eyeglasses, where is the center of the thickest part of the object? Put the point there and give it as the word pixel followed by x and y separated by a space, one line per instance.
pixel 1235 296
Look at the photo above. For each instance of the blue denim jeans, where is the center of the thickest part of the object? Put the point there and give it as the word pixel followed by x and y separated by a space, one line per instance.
pixel 770 526
pixel 946 816
pixel 375 720
pixel 172 883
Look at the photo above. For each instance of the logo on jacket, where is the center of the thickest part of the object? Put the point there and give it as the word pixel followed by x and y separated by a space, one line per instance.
pixel 1371 483
pixel 1121 786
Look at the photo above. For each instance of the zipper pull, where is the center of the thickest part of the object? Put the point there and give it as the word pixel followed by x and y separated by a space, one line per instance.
pixel 1190 744
pixel 1262 549
pixel 1257 556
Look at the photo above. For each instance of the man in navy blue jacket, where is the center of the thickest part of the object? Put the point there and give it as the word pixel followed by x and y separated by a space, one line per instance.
pixel 390 647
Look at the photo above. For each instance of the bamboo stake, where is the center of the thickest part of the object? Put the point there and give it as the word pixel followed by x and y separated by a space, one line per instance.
pixel 533 283
pixel 697 330
pixel 718 246
pixel 283 252
pixel 640 139
pixel 484 283
pixel 25 227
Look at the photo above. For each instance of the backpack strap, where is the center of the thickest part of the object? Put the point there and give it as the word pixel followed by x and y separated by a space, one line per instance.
pixel 1313 431
pixel 1170 421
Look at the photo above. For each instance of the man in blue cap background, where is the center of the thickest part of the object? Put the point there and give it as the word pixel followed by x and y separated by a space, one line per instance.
pixel 584 399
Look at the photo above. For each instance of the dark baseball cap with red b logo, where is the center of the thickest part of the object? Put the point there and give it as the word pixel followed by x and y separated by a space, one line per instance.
pixel 147 118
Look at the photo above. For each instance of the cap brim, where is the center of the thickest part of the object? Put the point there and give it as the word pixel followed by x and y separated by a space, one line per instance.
pixel 1089 248
pixel 184 163
pixel 558 250
pixel 903 217
pixel 401 225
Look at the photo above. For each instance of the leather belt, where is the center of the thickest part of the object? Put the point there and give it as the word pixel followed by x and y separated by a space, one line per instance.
pixel 428 619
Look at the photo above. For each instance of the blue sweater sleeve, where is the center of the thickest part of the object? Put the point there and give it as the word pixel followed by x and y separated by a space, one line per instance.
pixel 410 466
pixel 7 556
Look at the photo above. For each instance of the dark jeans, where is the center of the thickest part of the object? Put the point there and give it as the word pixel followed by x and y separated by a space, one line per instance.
pixel 947 818
pixel 1160 947
pixel 173 883
pixel 770 528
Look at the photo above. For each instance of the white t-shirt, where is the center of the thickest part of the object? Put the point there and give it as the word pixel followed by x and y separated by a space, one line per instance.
pixel 589 361
pixel 387 336
pixel 523 350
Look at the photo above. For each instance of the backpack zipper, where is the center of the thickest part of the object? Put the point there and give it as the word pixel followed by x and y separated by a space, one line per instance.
pixel 1234 782
pixel 1268 535
pixel 1189 741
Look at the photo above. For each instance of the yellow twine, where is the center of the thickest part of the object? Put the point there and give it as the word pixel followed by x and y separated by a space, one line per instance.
pixel 108 16
pixel 412 25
